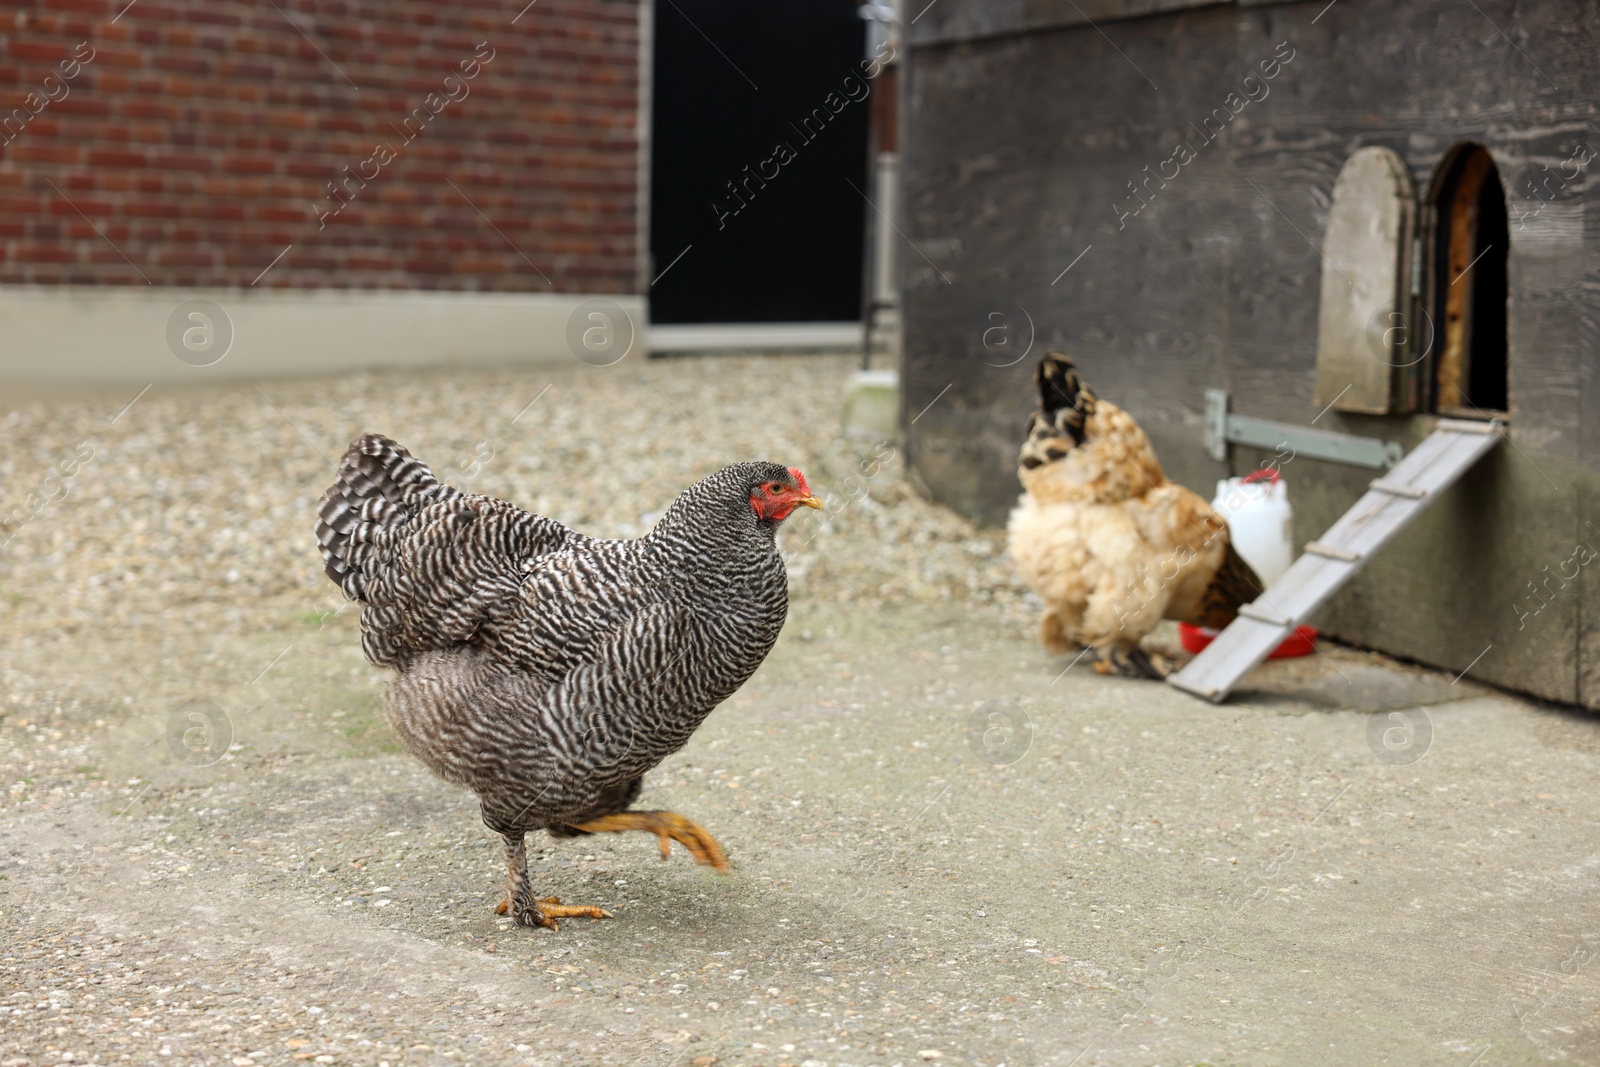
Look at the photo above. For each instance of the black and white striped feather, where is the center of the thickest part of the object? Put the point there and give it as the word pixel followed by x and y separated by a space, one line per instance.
pixel 545 670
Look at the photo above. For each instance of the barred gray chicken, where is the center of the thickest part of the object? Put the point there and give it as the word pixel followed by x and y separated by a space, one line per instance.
pixel 545 670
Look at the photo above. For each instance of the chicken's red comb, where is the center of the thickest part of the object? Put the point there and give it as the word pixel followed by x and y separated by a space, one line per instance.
pixel 800 481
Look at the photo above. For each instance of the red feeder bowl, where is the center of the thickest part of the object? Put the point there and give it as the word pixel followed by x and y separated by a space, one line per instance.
pixel 1300 643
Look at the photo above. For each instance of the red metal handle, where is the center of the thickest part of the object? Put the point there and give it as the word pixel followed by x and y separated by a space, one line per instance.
pixel 1262 473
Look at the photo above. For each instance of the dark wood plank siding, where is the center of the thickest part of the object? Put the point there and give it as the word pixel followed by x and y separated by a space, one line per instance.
pixel 1019 155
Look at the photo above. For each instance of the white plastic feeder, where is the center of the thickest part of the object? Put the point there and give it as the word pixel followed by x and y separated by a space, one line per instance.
pixel 1260 521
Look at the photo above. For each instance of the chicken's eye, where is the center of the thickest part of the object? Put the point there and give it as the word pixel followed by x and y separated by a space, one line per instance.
pixel 773 489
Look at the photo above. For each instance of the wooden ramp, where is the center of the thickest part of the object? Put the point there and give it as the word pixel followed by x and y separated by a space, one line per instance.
pixel 1392 501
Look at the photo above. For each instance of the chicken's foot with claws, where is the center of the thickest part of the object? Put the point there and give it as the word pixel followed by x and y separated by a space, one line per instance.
pixel 1132 662
pixel 527 909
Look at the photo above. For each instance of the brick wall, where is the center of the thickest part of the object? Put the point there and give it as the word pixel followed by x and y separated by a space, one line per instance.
pixel 200 138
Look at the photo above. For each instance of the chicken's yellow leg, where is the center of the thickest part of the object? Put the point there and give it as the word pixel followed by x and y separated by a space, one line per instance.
pixel 520 901
pixel 668 826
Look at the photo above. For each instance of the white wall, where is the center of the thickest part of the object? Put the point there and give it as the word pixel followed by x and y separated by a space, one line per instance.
pixel 94 334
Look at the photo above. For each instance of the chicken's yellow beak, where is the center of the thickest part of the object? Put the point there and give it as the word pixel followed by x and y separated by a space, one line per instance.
pixel 810 502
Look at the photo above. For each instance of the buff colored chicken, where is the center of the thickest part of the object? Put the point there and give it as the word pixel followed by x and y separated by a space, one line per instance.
pixel 1106 540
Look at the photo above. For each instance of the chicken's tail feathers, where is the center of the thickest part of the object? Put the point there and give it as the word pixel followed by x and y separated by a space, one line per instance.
pixel 379 482
pixel 1065 401
pixel 1234 585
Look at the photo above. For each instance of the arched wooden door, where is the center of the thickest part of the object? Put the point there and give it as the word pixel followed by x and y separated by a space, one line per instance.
pixel 1409 320
pixel 1366 333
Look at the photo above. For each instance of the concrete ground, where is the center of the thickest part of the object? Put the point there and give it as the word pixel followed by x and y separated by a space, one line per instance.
pixel 948 847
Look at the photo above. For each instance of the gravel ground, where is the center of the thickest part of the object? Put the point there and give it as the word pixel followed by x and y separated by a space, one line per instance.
pixel 211 851
pixel 199 499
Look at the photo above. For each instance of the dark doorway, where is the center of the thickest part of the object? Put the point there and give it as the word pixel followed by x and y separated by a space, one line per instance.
pixel 1471 240
pixel 774 234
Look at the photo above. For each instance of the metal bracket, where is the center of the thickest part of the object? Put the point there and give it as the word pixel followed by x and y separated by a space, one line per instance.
pixel 1224 428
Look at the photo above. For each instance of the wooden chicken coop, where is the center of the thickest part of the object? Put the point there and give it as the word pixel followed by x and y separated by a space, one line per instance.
pixel 1356 217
